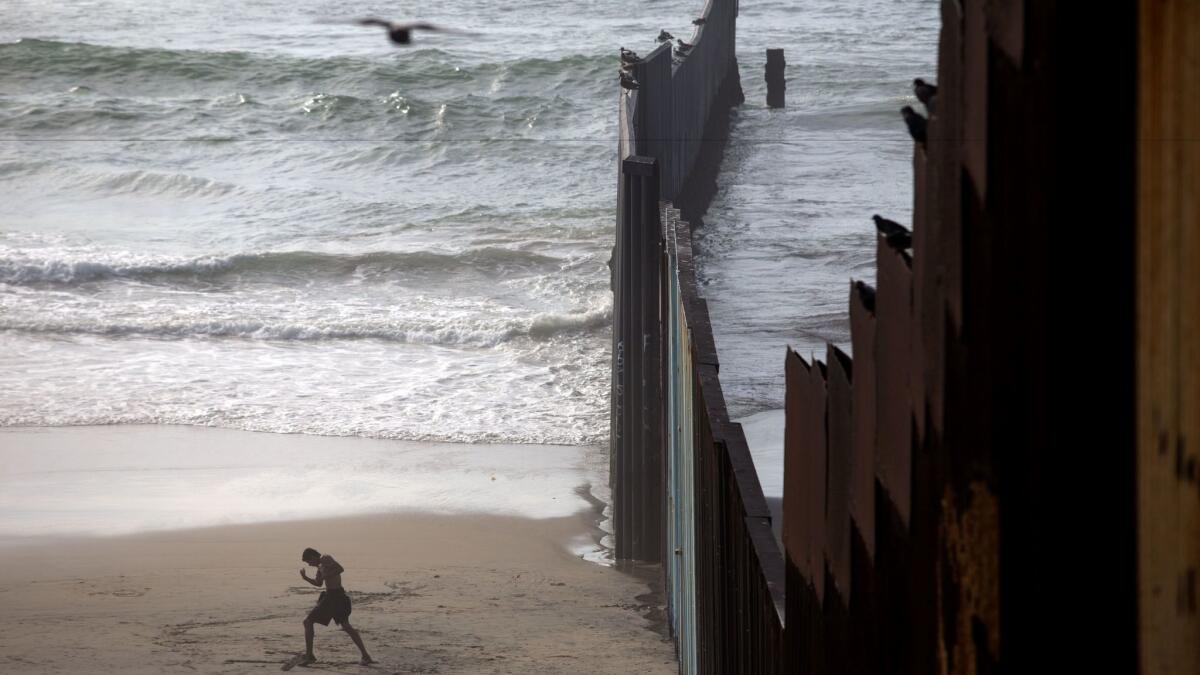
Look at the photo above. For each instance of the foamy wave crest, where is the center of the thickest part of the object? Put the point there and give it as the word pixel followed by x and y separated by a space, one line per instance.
pixel 449 334
pixel 108 183
pixel 579 429
pixel 429 330
pixel 150 182
pixel 31 59
pixel 75 266
pixel 546 325
pixel 24 268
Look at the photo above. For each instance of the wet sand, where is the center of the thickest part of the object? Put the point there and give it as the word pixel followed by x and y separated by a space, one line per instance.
pixel 445 593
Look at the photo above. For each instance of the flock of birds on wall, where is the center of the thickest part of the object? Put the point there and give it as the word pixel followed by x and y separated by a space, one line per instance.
pixel 895 235
pixel 917 124
pixel 630 58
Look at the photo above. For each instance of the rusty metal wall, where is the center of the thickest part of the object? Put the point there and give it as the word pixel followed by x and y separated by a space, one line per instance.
pixel 1168 248
pixel 839 424
pixel 862 464
pixel 974 464
pixel 983 488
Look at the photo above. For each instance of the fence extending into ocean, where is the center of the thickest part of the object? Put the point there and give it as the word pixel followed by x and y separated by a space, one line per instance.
pixel 1000 479
pixel 685 491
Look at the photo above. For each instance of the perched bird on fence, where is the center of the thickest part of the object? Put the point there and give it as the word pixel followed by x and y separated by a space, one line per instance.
pixel 917 125
pixel 867 293
pixel 664 36
pixel 925 93
pixel 896 235
pixel 628 82
pixel 684 46
pixel 401 33
pixel 629 57
pixel 699 22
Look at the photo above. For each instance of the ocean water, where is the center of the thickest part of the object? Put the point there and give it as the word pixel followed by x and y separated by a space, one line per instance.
pixel 791 223
pixel 256 216
pixel 790 226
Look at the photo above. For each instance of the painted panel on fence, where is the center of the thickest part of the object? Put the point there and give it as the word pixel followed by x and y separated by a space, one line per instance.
pixel 678 434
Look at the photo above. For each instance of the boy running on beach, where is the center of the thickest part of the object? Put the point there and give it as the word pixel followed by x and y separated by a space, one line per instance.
pixel 333 603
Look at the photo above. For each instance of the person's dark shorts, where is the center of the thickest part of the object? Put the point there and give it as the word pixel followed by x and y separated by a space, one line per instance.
pixel 333 604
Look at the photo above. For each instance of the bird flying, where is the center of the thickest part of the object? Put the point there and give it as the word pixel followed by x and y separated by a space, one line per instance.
pixel 401 33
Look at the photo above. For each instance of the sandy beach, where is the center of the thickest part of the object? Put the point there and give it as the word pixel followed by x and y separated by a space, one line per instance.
pixel 457 591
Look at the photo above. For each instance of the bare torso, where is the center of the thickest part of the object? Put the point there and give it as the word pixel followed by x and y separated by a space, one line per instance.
pixel 329 572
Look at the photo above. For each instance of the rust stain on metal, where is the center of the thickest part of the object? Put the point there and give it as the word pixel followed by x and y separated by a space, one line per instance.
pixel 969 581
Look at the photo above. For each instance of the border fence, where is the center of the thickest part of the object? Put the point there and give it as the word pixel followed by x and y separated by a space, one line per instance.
pixel 1003 478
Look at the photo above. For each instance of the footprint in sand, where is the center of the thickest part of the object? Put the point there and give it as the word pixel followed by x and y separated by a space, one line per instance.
pixel 403 589
pixel 121 592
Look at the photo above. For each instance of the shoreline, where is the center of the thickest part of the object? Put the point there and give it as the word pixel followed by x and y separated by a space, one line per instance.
pixel 123 479
pixel 431 593
pixel 446 589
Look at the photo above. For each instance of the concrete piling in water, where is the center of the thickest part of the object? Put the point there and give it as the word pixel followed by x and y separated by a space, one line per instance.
pixel 776 83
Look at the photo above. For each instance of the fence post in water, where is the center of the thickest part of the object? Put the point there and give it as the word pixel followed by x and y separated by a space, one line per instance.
pixel 637 488
pixel 776 84
pixel 650 254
